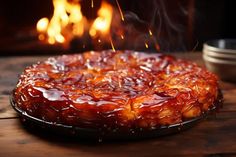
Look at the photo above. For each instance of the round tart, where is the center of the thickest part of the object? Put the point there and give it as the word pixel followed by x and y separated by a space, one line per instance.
pixel 116 90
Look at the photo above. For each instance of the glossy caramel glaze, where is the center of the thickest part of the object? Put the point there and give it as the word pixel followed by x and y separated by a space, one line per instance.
pixel 115 90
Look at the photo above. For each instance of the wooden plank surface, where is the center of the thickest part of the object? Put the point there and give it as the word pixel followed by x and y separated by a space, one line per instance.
pixel 215 136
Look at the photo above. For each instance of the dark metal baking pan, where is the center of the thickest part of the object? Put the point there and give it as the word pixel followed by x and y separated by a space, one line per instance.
pixel 87 133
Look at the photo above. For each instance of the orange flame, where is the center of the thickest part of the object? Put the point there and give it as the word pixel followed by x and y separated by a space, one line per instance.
pixel 68 21
pixel 42 24
pixel 102 23
pixel 65 15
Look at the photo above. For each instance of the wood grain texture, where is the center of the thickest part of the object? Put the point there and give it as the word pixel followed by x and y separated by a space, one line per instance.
pixel 215 136
pixel 10 68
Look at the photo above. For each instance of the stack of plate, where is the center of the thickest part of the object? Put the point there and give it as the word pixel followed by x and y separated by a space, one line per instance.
pixel 220 58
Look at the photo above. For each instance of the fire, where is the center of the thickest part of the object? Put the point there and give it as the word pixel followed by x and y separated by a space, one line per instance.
pixel 42 24
pixel 68 22
pixel 103 21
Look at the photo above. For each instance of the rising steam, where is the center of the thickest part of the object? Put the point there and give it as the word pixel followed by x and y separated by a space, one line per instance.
pixel 167 32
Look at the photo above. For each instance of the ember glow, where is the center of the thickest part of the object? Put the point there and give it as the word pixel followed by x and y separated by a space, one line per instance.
pixel 146 45
pixel 68 22
pixel 92 4
pixel 112 45
pixel 150 32
pixel 121 13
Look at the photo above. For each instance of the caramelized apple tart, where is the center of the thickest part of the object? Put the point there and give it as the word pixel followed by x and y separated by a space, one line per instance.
pixel 115 90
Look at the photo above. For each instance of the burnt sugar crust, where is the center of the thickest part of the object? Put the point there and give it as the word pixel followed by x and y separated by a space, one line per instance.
pixel 121 89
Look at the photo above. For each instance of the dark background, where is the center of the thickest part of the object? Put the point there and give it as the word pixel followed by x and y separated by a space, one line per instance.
pixel 186 24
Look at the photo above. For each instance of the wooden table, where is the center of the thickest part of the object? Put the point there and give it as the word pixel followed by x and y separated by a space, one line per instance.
pixel 215 136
